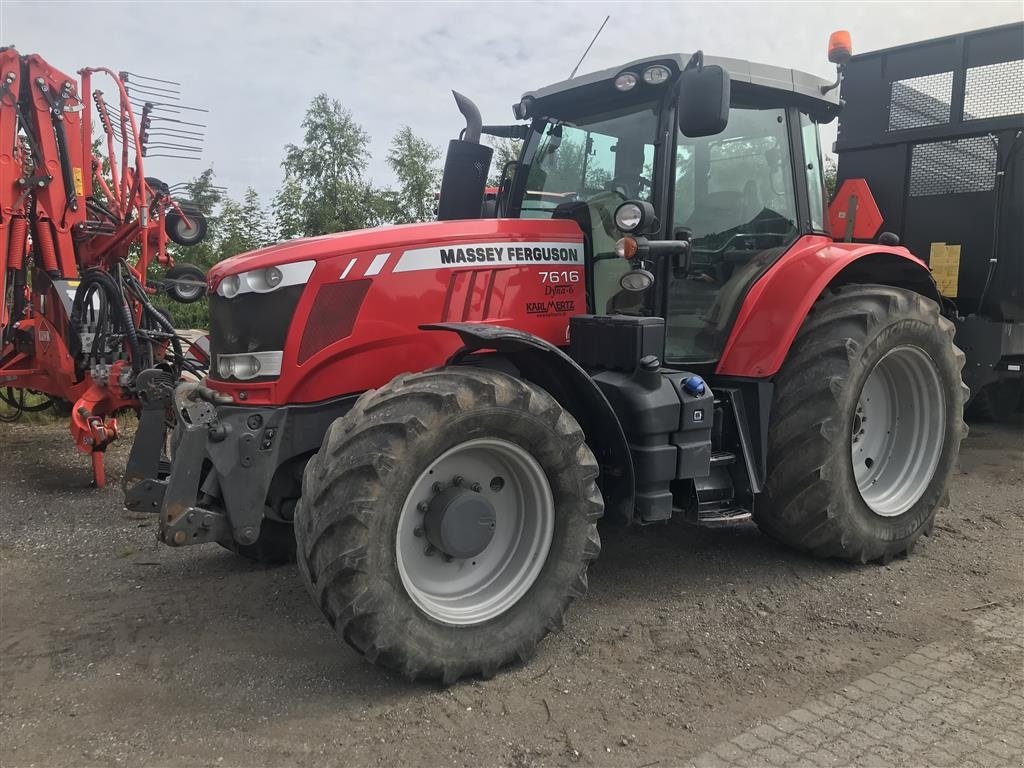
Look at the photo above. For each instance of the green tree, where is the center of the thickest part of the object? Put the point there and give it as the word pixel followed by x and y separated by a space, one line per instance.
pixel 243 226
pixel 414 162
pixel 287 209
pixel 324 189
pixel 505 151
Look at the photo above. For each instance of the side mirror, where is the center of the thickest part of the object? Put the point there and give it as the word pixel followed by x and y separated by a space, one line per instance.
pixel 703 100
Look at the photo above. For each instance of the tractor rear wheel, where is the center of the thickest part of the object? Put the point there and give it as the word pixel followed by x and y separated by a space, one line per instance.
pixel 865 427
pixel 448 521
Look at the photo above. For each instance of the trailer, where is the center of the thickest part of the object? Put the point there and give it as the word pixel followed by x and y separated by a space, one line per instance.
pixel 935 129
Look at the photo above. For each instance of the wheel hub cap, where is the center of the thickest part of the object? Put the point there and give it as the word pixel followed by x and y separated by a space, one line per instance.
pixel 459 522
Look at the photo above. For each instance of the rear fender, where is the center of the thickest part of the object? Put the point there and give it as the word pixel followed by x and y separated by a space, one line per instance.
pixel 777 304
pixel 545 365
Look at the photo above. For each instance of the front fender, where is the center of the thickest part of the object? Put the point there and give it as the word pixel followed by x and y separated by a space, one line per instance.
pixel 545 365
pixel 776 305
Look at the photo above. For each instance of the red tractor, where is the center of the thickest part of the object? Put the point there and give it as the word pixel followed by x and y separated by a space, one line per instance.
pixel 651 320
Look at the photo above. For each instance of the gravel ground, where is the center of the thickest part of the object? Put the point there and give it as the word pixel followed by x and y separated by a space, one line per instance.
pixel 118 651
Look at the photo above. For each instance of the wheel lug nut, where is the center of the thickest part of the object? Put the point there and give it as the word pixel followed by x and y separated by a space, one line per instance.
pixel 423 506
pixel 429 551
pixel 476 487
pixel 437 487
pixel 417 532
pixel 457 480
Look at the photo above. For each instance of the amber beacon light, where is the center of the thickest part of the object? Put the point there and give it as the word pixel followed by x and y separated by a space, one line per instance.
pixel 840 47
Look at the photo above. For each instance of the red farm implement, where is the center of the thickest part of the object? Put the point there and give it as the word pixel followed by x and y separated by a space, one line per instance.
pixel 80 227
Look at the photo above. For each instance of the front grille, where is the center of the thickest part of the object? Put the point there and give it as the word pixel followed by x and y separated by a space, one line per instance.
pixel 251 322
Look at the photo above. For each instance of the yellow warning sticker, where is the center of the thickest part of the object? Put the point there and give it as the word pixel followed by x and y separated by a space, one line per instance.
pixel 944 260
pixel 79 185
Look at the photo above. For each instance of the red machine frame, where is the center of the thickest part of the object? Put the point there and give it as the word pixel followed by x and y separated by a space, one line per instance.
pixel 67 211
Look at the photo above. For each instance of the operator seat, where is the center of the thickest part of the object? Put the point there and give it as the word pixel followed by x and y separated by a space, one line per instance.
pixel 716 212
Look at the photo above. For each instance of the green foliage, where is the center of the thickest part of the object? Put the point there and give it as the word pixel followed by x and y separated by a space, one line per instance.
pixel 414 162
pixel 324 176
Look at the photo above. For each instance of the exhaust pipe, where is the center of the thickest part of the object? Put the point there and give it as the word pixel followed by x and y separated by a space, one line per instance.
pixel 465 168
pixel 471 112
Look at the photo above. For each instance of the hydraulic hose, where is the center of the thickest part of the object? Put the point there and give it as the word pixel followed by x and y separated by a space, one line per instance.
pixel 997 221
pixel 114 297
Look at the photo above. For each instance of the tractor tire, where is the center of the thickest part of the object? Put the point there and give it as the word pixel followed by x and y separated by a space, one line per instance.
pixel 275 545
pixel 865 426
pixel 185 283
pixel 448 521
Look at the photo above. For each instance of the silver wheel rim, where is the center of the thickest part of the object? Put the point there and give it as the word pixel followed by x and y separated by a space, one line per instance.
pixel 476 589
pixel 898 430
pixel 188 289
pixel 184 231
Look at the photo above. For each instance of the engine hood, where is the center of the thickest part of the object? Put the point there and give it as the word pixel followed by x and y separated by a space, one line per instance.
pixel 394 238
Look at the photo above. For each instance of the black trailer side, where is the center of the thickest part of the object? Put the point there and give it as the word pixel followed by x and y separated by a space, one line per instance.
pixel 936 128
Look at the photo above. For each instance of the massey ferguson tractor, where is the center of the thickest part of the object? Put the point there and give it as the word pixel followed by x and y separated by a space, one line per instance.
pixel 651 320
pixel 80 227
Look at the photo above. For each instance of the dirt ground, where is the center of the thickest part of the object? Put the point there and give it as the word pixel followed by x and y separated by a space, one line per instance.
pixel 118 651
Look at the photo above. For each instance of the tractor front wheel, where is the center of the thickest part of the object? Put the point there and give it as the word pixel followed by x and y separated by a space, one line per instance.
pixel 448 521
pixel 866 426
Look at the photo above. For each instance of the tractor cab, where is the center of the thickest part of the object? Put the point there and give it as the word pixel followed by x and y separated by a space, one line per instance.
pixel 739 195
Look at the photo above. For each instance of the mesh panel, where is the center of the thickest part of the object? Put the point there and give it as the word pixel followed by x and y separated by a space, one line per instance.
pixel 949 167
pixel 920 101
pixel 995 90
pixel 332 316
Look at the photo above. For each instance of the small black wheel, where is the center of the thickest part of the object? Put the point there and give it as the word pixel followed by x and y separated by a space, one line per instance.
pixel 186 230
pixel 865 426
pixel 448 521
pixel 185 283
pixel 158 185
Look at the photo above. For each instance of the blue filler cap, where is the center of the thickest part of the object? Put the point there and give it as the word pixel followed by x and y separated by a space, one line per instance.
pixel 694 385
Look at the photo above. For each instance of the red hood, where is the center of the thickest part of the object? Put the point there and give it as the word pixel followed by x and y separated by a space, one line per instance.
pixel 385 238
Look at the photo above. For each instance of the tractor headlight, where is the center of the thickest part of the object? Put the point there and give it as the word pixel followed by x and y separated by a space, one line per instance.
pixel 656 75
pixel 626 81
pixel 229 286
pixel 635 216
pixel 628 217
pixel 636 281
pixel 266 279
pixel 245 367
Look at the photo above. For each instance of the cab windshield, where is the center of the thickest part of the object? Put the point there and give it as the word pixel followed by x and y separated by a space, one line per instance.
pixel 593 163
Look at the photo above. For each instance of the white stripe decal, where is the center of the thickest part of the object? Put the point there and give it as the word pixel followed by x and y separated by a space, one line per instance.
pixel 377 264
pixel 506 254
pixel 348 269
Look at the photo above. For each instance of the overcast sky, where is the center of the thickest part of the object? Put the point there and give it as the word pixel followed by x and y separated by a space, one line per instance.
pixel 257 65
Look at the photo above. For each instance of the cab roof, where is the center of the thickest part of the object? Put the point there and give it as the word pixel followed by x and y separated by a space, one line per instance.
pixel 807 87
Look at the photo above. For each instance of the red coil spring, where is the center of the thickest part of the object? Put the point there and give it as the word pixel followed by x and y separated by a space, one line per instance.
pixel 46 249
pixel 16 248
